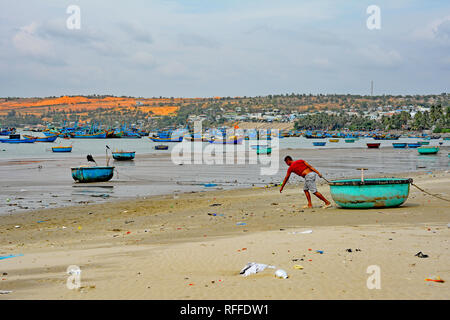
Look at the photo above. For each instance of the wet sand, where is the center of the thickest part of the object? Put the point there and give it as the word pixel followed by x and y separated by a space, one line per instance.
pixel 173 247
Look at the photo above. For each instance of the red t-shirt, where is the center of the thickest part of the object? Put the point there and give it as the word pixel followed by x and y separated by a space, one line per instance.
pixel 297 167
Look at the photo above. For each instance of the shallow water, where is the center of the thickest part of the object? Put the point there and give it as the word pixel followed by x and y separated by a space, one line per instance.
pixel 33 178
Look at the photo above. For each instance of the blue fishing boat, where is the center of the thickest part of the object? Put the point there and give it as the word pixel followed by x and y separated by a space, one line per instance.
pixel 42 139
pixel 15 138
pixel 98 135
pixel 370 193
pixel 62 149
pixel 123 155
pixel 131 135
pixel 232 140
pixel 399 145
pixel 92 174
pixel 414 145
pixel 157 139
pixel 319 144
pixel 7 131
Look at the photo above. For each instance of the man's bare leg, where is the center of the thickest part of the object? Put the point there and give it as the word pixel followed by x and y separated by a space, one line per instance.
pixel 308 197
pixel 321 197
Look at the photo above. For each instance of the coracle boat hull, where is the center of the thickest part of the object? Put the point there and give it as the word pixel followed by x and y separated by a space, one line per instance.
pixel 121 156
pixel 92 174
pixel 428 150
pixel 370 193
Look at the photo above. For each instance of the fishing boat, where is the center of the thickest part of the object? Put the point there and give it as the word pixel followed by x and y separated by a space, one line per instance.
pixel 161 147
pixel 373 145
pixel 15 138
pixel 370 193
pixel 231 140
pixel 131 135
pixel 51 133
pixel 428 150
pixel 42 139
pixel 92 174
pixel 157 139
pixel 333 140
pixel 193 139
pixel 386 137
pixel 7 131
pixel 123 155
pixel 414 145
pixel 399 145
pixel 98 135
pixel 423 143
pixel 62 149
pixel 319 144
pixel 349 140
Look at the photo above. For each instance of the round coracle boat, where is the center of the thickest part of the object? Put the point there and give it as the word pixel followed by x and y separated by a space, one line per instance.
pixel 370 193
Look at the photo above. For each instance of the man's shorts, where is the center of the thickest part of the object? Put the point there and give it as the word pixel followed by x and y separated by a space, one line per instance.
pixel 310 182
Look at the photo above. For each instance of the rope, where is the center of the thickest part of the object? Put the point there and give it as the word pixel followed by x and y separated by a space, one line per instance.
pixel 433 195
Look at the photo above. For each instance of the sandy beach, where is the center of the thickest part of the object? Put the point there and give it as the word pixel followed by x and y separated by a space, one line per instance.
pixel 193 245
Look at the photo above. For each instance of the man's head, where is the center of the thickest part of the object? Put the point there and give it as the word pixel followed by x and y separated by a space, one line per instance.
pixel 288 160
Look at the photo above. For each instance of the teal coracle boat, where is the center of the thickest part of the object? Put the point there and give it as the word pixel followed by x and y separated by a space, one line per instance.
pixel 263 150
pixel 428 150
pixel 92 174
pixel 370 193
pixel 123 155
pixel 399 145
pixel 62 149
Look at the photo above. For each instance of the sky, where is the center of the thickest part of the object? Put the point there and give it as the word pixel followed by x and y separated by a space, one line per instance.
pixel 206 48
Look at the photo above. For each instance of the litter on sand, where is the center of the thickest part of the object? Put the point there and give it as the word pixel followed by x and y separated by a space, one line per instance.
pixel 298 267
pixel 253 267
pixel 280 273
pixel 421 255
pixel 10 256
pixel 241 224
pixel 435 279
pixel 5 291
pixel 301 232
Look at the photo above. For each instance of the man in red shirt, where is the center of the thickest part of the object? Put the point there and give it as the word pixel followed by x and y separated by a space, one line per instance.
pixel 305 170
